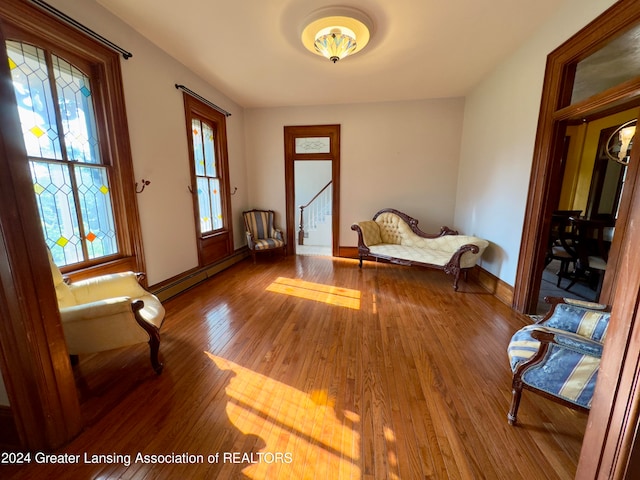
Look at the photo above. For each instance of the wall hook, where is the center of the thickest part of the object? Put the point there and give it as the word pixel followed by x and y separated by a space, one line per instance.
pixel 235 189
pixel 144 184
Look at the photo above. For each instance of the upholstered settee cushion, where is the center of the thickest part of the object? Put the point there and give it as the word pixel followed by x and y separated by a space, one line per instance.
pixel 568 370
pixel 393 229
pixel 413 254
pixel 370 232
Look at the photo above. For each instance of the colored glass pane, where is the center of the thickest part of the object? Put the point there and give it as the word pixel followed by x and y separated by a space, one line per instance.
pixel 65 213
pixel 216 203
pixel 57 211
pixel 209 150
pixel 35 100
pixel 198 150
pixel 76 108
pixel 204 205
pixel 97 212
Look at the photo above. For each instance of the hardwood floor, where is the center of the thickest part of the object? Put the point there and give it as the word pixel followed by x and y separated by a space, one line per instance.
pixel 309 367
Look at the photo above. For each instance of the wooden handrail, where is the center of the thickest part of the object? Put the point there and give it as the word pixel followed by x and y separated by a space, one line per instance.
pixel 302 207
pixel 316 195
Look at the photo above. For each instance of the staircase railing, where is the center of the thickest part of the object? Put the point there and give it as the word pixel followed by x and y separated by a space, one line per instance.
pixel 320 205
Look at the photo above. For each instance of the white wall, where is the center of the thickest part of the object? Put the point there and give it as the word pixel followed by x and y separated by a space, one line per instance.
pixel 500 122
pixel 156 120
pixel 397 154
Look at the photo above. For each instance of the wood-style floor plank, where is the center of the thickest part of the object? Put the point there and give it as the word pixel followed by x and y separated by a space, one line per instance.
pixel 311 368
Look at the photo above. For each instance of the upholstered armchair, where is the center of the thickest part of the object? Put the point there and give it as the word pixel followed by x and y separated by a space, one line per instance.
pixel 262 236
pixel 107 312
pixel 559 356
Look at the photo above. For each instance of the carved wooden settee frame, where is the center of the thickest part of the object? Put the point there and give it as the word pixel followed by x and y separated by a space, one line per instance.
pixel 452 265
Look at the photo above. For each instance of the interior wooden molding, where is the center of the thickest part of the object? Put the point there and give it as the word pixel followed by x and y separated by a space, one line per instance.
pixel 497 287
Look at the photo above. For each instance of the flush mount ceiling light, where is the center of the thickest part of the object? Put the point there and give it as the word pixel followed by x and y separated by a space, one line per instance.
pixel 336 32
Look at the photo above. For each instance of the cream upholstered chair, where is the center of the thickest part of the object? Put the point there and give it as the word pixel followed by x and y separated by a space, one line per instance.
pixel 262 236
pixel 107 312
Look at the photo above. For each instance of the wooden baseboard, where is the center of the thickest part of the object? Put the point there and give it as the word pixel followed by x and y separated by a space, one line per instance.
pixel 178 284
pixel 501 290
pixel 9 439
pixel 348 252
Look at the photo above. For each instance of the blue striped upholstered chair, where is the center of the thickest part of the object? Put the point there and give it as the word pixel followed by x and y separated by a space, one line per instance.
pixel 262 236
pixel 559 356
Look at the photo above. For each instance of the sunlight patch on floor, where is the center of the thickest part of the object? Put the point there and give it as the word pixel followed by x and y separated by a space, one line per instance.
pixel 303 427
pixel 341 297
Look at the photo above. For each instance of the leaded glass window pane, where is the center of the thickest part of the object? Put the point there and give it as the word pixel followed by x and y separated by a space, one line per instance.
pixel 313 145
pixel 216 203
pixel 54 196
pixel 76 109
pixel 198 154
pixel 71 186
pixel 208 185
pixel 35 101
pixel 97 215
pixel 209 150
pixel 206 224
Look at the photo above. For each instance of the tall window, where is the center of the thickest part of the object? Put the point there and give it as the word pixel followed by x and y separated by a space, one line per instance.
pixel 210 180
pixel 70 101
pixel 207 176
pixel 70 181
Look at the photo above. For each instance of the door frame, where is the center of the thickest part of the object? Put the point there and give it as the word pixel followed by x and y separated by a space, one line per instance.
pixel 290 157
pixel 610 443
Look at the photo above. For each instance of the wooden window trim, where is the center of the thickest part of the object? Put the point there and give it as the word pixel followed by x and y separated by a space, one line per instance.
pixel 218 244
pixel 35 26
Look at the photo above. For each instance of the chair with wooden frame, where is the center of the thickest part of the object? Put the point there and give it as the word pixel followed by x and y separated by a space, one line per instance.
pixel 559 356
pixel 107 312
pixel 262 235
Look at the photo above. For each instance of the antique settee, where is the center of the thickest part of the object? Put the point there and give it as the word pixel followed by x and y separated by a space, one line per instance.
pixel 394 236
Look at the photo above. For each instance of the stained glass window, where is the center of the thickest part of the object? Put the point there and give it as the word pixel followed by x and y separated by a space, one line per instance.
pixel 207 181
pixel 70 182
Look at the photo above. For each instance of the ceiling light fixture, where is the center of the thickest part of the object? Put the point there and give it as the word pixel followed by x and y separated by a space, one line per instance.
pixel 336 32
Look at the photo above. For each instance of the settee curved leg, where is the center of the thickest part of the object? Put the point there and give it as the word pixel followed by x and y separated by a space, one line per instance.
pixel 360 263
pixel 154 336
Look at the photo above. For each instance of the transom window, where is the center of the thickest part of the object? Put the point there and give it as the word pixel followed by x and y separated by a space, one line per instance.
pixel 70 180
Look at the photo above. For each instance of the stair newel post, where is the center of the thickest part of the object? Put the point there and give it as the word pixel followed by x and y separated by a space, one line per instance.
pixel 301 227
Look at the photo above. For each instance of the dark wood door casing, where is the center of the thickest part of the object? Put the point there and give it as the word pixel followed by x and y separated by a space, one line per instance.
pixel 290 134
pixel 33 355
pixel 611 433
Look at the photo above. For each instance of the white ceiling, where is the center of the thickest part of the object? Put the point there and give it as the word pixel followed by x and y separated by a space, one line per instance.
pixel 250 50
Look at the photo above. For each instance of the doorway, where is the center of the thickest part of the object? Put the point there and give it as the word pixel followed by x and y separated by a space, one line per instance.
pixel 611 431
pixel 583 222
pixel 312 182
